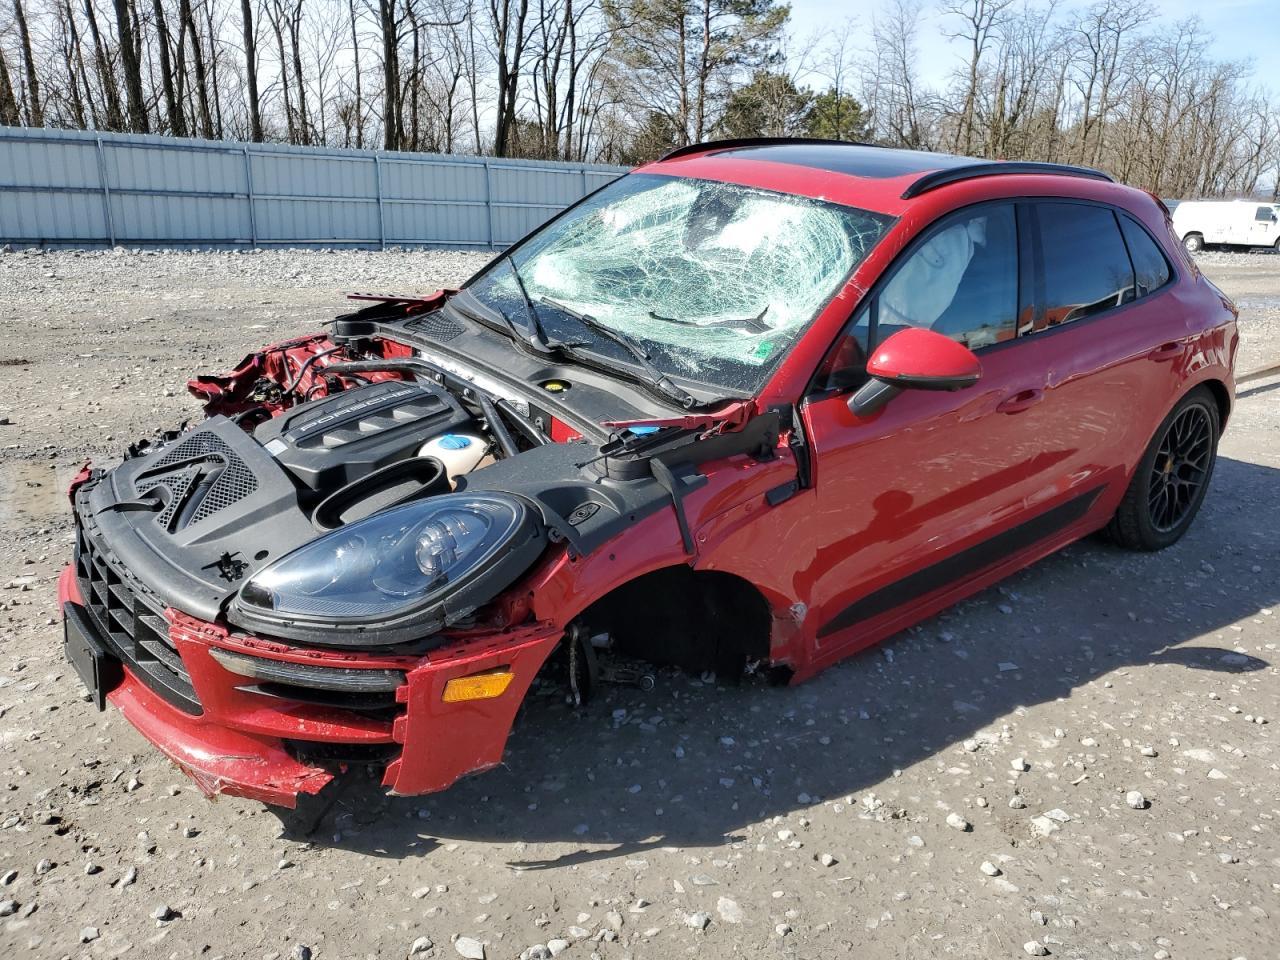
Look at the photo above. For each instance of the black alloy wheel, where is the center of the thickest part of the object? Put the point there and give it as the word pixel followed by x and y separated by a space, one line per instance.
pixel 1181 468
pixel 1171 479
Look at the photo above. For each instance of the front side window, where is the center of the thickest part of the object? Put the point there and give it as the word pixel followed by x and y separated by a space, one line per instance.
pixel 1086 266
pixel 961 282
pixel 716 281
pixel 1265 214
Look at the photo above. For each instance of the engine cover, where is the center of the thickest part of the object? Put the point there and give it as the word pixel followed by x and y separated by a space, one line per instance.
pixel 328 443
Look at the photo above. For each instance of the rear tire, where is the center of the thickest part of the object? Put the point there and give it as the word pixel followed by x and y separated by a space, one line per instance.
pixel 1193 242
pixel 1172 477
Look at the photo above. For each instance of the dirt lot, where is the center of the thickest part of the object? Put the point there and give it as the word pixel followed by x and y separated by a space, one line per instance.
pixel 694 820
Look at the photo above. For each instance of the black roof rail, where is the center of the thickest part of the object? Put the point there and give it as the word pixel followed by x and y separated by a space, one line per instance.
pixel 993 168
pixel 741 142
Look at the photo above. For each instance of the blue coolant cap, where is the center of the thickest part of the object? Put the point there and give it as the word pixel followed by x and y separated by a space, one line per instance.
pixel 453 441
pixel 644 431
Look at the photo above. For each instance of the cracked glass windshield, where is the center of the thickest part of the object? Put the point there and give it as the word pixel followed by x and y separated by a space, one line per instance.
pixel 714 281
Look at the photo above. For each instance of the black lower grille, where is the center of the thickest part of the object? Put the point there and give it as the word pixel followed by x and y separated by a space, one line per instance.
pixel 131 624
pixel 367 691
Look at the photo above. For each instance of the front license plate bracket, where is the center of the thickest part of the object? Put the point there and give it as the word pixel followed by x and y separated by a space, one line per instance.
pixel 94 664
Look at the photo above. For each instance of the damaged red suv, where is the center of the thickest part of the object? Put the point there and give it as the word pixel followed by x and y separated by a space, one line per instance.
pixel 759 404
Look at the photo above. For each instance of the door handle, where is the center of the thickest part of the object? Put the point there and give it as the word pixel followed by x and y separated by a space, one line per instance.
pixel 1166 351
pixel 1022 400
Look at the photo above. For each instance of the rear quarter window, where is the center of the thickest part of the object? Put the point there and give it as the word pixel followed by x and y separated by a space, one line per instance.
pixel 1150 268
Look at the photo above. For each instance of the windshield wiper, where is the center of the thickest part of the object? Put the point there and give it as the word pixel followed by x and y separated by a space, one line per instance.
pixel 754 324
pixel 538 338
pixel 657 378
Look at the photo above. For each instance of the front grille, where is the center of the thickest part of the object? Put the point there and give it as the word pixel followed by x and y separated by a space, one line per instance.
pixel 131 623
pixel 436 325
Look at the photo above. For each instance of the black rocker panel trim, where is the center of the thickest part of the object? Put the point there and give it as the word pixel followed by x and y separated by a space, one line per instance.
pixel 958 566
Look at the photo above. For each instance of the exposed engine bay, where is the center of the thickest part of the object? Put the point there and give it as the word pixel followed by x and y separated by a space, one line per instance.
pixel 450 493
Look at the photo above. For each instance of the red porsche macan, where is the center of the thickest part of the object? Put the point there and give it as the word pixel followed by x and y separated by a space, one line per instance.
pixel 759 403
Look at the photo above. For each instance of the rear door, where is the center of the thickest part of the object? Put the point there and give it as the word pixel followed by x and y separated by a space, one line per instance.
pixel 1108 336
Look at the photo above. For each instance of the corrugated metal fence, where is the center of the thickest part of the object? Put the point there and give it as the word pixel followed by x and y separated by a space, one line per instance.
pixel 76 188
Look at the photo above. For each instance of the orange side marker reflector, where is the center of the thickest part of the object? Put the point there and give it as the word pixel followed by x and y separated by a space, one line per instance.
pixel 478 686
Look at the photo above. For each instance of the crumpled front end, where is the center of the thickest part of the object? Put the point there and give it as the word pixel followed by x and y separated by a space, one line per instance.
pixel 269 722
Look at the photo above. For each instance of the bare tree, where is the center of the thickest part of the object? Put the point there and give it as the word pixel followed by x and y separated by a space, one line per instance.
pixel 251 68
pixel 35 110
pixel 9 113
pixel 131 63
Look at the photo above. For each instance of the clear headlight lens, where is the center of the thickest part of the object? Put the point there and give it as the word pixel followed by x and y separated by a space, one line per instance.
pixel 388 564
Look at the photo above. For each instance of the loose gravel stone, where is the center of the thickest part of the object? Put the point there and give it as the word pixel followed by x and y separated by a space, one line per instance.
pixel 730 910
pixel 957 822
pixel 469 948
pixel 1135 799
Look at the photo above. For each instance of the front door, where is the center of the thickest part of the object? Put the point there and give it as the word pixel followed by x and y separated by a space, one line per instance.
pixel 932 473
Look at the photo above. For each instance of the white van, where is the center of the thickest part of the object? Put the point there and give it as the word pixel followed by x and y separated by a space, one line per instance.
pixel 1237 223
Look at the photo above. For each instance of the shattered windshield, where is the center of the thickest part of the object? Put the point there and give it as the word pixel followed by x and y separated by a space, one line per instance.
pixel 716 281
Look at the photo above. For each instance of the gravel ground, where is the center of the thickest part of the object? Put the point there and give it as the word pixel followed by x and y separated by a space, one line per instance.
pixel 1078 763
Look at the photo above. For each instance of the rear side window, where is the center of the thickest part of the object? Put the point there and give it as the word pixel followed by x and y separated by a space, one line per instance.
pixel 1086 266
pixel 1150 268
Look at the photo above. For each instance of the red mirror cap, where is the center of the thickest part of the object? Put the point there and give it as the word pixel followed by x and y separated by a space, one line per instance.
pixel 921 358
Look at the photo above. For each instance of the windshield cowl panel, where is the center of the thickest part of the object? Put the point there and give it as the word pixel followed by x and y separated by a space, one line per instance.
pixel 714 283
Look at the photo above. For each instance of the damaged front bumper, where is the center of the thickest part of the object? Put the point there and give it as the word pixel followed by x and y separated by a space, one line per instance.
pixel 269 721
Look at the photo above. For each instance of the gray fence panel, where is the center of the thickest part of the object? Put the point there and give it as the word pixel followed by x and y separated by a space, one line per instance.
pixel 68 187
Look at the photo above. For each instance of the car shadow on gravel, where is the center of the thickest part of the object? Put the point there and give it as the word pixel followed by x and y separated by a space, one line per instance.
pixel 693 764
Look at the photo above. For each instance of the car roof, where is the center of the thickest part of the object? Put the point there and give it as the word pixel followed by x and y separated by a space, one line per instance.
pixel 855 160
pixel 882 179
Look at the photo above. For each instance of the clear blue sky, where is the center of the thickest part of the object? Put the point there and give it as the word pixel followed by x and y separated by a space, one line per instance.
pixel 1241 28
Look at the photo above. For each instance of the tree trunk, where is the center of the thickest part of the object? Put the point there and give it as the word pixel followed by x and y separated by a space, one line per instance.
pixel 295 40
pixel 355 46
pixel 132 68
pixel 197 59
pixel 9 115
pixel 35 111
pixel 509 41
pixel 75 65
pixel 177 123
pixel 251 69
pixel 106 76
pixel 390 75
pixel 277 27
pixel 69 43
pixel 704 73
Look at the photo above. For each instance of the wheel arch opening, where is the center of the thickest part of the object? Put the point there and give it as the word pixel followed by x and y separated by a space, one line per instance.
pixel 1222 397
pixel 697 620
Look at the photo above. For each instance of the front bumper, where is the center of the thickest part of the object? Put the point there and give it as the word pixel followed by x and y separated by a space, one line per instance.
pixel 256 741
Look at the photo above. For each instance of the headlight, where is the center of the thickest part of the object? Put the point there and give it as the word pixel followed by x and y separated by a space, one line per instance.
pixel 397 575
